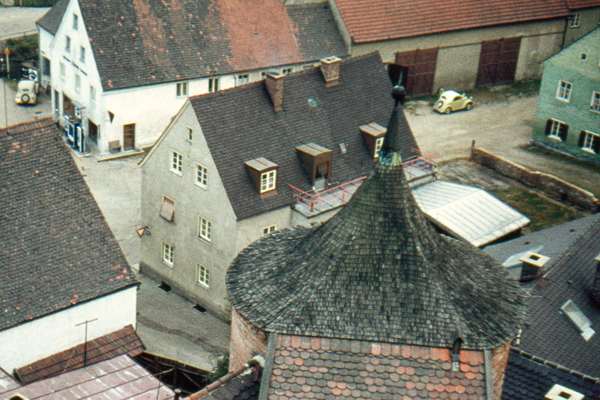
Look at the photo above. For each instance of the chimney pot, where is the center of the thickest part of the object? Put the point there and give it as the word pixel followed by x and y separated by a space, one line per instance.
pixel 330 68
pixel 274 85
pixel 533 266
pixel 596 285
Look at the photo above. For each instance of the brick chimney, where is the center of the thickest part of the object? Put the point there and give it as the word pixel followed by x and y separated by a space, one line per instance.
pixel 274 85
pixel 533 266
pixel 330 67
pixel 596 285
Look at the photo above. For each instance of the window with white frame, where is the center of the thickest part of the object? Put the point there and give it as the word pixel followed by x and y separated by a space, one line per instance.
pixel 269 229
pixel 176 163
pixel 77 83
pixel 63 72
pixel 204 229
pixel 574 20
pixel 378 146
pixel 563 91
pixel 201 175
pixel 557 129
pixel 268 180
pixel 190 134
pixel 595 104
pixel 82 55
pixel 67 44
pixel 75 22
pixel 213 85
pixel 286 71
pixel 590 141
pixel 202 275
pixel 242 79
pixel 168 254
pixel 182 89
pixel 92 97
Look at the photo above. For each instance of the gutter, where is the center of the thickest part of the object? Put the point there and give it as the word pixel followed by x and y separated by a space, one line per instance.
pixel 489 387
pixel 265 382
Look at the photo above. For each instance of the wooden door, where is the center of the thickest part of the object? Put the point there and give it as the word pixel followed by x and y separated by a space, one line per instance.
pixel 93 131
pixel 128 136
pixel 498 61
pixel 68 106
pixel 420 68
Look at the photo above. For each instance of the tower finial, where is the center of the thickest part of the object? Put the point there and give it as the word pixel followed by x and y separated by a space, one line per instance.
pixel 391 142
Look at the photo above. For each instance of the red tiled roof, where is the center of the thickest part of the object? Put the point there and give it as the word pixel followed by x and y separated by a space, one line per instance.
pixel 375 20
pixel 579 4
pixel 123 341
pixel 305 367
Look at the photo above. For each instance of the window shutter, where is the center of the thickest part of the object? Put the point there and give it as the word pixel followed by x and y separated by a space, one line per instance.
pixel 563 131
pixel 548 127
pixel 581 139
pixel 596 144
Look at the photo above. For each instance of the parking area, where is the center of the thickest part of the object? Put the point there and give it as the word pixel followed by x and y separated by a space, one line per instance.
pixel 12 114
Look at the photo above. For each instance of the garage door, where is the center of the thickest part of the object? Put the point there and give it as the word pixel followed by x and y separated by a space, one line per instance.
pixel 498 61
pixel 418 70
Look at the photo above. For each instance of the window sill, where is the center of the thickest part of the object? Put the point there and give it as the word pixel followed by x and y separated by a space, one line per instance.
pixel 594 111
pixel 591 151
pixel 554 138
pixel 566 101
pixel 204 187
pixel 204 240
pixel 176 172
pixel 203 285
pixel 167 264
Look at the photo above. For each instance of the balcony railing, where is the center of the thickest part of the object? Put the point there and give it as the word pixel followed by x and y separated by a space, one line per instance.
pixel 311 203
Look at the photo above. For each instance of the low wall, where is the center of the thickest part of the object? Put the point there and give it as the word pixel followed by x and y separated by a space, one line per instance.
pixel 551 185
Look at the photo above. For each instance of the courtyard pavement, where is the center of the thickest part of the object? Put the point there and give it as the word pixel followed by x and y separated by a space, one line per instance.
pixel 19 21
pixel 18 114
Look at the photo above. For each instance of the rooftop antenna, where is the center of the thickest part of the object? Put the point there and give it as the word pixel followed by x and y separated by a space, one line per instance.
pixel 86 323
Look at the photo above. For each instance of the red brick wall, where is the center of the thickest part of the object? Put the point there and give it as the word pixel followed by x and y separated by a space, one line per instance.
pixel 245 342
pixel 499 362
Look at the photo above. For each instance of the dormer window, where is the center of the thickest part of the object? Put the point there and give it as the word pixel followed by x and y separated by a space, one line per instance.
pixel 263 173
pixel 75 22
pixel 316 161
pixel 374 135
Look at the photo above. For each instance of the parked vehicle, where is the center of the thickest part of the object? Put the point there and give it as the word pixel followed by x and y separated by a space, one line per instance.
pixel 450 101
pixel 27 91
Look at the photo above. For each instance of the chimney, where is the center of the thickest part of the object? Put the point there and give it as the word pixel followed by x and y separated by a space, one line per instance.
pixel 274 85
pixel 533 266
pixel 596 285
pixel 558 392
pixel 330 67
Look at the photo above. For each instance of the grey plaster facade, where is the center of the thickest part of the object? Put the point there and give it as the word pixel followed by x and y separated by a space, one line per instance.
pixel 588 20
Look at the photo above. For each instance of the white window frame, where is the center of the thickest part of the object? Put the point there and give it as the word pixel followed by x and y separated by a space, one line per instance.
pixel 67 44
pixel 269 229
pixel 77 83
pixel 555 129
pixel 92 97
pixel 213 84
pixel 75 22
pixel 202 275
pixel 595 101
pixel 204 229
pixel 168 254
pixel 242 79
pixel 176 163
pixel 287 71
pixel 201 176
pixel 268 181
pixel 190 135
pixel 563 93
pixel 63 71
pixel 574 20
pixel 378 146
pixel 588 143
pixel 82 54
pixel 181 89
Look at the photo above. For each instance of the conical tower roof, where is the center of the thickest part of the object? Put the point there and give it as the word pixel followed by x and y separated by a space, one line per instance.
pixel 377 271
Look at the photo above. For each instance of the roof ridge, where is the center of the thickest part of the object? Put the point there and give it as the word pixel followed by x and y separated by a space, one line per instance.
pixel 552 364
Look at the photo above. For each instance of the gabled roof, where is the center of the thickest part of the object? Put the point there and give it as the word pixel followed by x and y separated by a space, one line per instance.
pixel 240 125
pixel 377 271
pixel 377 20
pixel 51 20
pixel 571 59
pixel 119 378
pixel 123 341
pixel 151 41
pixel 57 250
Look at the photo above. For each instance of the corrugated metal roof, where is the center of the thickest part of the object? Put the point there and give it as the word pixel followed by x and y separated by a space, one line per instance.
pixel 466 212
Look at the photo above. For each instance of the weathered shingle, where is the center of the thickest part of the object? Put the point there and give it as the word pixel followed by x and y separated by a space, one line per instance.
pixel 57 250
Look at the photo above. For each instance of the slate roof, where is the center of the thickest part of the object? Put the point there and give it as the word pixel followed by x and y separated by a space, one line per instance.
pixel 51 20
pixel 51 228
pixel 308 368
pixel 377 271
pixel 151 41
pixel 123 341
pixel 377 20
pixel 119 378
pixel 528 379
pixel 362 97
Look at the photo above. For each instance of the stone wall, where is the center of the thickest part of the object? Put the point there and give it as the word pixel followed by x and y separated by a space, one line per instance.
pixel 551 185
pixel 499 362
pixel 245 342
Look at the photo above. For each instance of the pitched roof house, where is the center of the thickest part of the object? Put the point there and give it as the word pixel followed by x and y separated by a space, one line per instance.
pixel 462 44
pixel 373 301
pixel 108 60
pixel 61 265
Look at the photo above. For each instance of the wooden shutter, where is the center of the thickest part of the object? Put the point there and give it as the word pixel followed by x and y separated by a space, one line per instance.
pixel 581 139
pixel 563 131
pixel 548 127
pixel 596 144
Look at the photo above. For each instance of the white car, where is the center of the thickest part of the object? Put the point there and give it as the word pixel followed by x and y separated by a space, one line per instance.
pixel 27 92
pixel 450 101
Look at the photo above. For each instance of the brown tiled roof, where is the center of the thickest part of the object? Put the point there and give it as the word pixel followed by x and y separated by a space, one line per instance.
pixel 579 4
pixel 305 367
pixel 375 20
pixel 123 341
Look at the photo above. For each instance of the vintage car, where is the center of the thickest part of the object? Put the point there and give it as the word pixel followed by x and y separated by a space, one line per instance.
pixel 450 101
pixel 27 91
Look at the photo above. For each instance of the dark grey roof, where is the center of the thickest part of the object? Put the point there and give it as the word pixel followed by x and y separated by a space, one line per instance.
pixel 57 250
pixel 528 379
pixel 150 41
pixel 377 271
pixel 547 332
pixel 240 125
pixel 51 20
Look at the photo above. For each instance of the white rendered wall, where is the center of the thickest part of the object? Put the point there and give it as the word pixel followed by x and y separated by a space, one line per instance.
pixel 40 338
pixel 46 44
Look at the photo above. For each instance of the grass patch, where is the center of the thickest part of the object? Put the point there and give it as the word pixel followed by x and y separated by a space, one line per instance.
pixel 542 212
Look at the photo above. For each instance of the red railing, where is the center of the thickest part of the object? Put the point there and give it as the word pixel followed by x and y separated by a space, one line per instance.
pixel 313 198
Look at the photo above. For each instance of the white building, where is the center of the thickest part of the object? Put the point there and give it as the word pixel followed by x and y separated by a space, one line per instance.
pixel 125 68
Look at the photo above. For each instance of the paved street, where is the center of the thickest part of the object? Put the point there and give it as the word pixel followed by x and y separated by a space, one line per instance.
pixel 17 21
pixel 17 113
